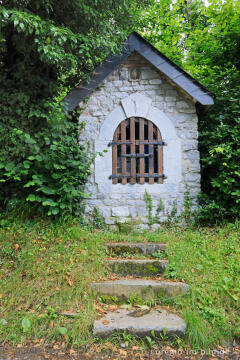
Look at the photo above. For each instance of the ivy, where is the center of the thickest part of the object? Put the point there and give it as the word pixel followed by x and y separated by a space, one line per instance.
pixel 45 50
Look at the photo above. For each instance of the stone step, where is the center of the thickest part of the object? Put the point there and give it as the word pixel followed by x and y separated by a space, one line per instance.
pixel 136 248
pixel 147 289
pixel 156 320
pixel 143 267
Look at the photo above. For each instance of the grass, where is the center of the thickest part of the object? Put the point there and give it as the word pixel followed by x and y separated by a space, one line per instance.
pixel 46 269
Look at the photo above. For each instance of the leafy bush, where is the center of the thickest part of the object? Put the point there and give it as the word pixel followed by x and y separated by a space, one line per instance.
pixel 46 49
pixel 204 39
pixel 47 168
pixel 219 145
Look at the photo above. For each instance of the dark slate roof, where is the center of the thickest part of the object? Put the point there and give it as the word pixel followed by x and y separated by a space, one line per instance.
pixel 135 42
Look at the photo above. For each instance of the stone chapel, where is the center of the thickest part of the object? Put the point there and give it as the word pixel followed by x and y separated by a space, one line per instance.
pixel 142 116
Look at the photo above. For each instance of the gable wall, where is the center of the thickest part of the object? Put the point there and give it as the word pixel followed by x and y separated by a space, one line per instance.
pixel 118 203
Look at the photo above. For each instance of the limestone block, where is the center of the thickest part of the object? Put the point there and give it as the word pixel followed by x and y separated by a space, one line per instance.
pixel 133 212
pixel 192 155
pixel 105 211
pixel 138 87
pixel 155 81
pixel 182 105
pixel 109 221
pixel 171 93
pixel 170 99
pixel 136 105
pixel 155 226
pixel 187 111
pixel 192 177
pixel 149 74
pixel 144 82
pixel 120 211
pixel 194 166
pixel 190 145
pixel 116 83
pixel 142 211
pixel 156 321
pixel 123 74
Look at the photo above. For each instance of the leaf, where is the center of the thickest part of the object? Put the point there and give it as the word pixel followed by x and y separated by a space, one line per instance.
pixel 62 330
pixel 105 322
pixel 31 197
pixel 26 325
pixel 26 164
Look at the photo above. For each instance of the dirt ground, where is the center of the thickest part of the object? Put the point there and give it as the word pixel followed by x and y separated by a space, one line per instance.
pixel 165 353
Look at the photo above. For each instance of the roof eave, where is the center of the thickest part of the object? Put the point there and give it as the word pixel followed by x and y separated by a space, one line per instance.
pixel 136 43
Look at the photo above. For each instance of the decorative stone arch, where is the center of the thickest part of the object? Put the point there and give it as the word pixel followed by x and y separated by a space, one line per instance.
pixel 137 105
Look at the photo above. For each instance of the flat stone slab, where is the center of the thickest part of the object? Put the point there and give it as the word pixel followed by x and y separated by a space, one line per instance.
pixel 143 267
pixel 157 320
pixel 146 289
pixel 136 248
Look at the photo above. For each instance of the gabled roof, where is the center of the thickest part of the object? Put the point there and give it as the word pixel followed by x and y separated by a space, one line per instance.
pixel 135 42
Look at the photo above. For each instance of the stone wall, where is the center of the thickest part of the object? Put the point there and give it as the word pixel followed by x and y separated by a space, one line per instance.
pixel 171 110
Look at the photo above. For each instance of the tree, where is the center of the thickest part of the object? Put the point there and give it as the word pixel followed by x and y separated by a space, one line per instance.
pixel 46 48
pixel 205 41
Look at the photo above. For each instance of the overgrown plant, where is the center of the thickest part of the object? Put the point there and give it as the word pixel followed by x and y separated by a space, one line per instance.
pixel 97 219
pixel 152 219
pixel 47 168
pixel 45 50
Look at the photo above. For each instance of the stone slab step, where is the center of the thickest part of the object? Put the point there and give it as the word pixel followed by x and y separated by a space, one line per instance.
pixel 143 267
pixel 157 320
pixel 146 289
pixel 136 248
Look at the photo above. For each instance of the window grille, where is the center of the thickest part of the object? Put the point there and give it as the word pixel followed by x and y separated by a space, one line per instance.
pixel 137 152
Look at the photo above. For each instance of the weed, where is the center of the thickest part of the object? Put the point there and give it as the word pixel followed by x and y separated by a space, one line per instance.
pixel 149 205
pixel 97 220
pixel 159 255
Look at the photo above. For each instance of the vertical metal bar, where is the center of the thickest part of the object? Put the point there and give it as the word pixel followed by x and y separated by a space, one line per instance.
pixel 133 150
pixel 150 147
pixel 160 157
pixel 123 151
pixel 141 150
pixel 114 156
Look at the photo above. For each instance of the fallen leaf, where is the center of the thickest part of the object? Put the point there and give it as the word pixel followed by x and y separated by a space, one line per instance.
pixel 16 246
pixel 70 282
pixel 105 322
pixel 123 352
pixel 99 308
pixel 135 348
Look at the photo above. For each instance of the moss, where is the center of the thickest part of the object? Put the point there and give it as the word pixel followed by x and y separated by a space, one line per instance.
pixel 151 269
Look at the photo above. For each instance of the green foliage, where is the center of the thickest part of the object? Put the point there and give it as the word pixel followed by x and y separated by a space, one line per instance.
pixel 46 168
pixel 204 39
pixel 149 205
pixel 46 49
pixel 97 220
pixel 220 146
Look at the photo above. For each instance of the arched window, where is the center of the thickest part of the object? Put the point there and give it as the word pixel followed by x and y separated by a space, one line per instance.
pixel 137 152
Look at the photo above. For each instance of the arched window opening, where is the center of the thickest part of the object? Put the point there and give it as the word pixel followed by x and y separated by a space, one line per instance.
pixel 137 152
